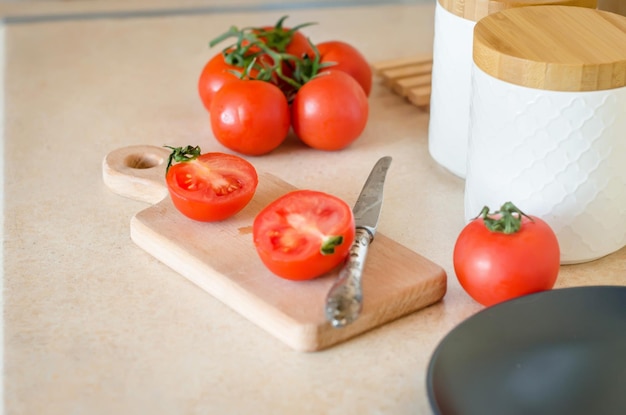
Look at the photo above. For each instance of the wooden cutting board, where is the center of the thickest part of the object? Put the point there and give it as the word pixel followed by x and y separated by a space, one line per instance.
pixel 221 259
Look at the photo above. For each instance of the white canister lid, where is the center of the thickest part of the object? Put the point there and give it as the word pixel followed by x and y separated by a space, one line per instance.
pixel 553 48
pixel 475 10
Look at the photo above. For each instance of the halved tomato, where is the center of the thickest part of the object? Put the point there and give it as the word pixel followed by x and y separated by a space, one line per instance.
pixel 304 234
pixel 212 186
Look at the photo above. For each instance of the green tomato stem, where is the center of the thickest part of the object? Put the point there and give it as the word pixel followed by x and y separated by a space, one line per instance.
pixel 232 31
pixel 182 155
pixel 330 243
pixel 271 42
pixel 278 38
pixel 507 220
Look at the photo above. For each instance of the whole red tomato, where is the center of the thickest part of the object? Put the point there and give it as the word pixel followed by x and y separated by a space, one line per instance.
pixel 209 187
pixel 250 116
pixel 347 59
pixel 303 234
pixel 214 75
pixel 330 111
pixel 493 266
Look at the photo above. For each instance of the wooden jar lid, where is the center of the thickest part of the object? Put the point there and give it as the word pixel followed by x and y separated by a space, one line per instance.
pixel 475 10
pixel 553 47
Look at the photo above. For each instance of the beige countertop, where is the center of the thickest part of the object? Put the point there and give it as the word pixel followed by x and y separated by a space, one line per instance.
pixel 94 325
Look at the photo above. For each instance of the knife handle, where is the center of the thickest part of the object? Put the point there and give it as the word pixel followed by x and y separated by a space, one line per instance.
pixel 345 298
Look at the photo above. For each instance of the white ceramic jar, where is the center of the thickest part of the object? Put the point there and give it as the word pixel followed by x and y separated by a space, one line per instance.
pixel 548 123
pixel 451 73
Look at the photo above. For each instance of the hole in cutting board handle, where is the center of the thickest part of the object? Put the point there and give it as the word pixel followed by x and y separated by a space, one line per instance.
pixel 143 161
pixel 137 172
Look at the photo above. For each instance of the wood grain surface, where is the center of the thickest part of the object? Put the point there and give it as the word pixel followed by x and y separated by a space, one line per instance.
pixel 475 10
pixel 615 6
pixel 554 48
pixel 221 259
pixel 409 77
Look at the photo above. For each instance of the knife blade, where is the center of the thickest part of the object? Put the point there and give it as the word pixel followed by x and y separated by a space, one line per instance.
pixel 345 297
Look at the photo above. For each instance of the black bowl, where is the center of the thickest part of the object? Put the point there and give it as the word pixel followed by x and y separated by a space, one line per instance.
pixel 556 352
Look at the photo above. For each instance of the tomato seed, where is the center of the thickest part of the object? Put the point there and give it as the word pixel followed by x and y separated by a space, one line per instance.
pixel 229 186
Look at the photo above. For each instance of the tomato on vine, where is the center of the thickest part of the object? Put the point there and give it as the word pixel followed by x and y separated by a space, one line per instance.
pixel 327 90
pixel 504 255
pixel 250 117
pixel 346 58
pixel 330 111
pixel 215 74
pixel 284 39
pixel 269 53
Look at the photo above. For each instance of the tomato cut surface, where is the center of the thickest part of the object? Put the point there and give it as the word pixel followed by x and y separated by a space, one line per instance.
pixel 213 187
pixel 304 234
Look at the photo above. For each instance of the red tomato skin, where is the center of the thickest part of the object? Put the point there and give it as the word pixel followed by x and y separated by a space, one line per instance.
pixel 250 117
pixel 215 74
pixel 349 60
pixel 299 44
pixel 330 111
pixel 493 267
pixel 206 206
pixel 308 263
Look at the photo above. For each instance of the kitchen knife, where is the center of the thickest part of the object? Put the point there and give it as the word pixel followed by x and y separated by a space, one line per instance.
pixel 344 300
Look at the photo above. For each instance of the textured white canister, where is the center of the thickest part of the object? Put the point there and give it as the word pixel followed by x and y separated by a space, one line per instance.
pixel 451 73
pixel 548 123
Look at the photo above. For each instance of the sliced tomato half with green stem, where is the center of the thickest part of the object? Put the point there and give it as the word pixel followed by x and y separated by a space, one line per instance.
pixel 304 234
pixel 209 187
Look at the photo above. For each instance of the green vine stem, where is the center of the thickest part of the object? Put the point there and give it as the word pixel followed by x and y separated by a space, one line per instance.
pixel 251 43
pixel 278 37
pixel 182 155
pixel 330 243
pixel 507 220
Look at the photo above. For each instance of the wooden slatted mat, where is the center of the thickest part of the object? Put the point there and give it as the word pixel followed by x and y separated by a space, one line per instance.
pixel 408 77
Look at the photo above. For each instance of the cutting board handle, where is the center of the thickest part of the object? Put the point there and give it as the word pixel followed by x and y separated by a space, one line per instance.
pixel 137 172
